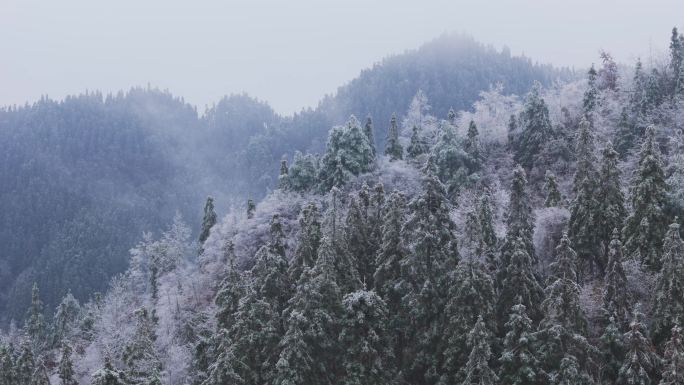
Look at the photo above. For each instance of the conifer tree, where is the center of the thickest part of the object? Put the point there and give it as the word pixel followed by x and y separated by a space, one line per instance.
pixel 590 95
pixel 418 144
pixel 432 254
pixel 348 153
pixel 536 128
pixel 370 134
pixel 471 296
pixel 358 243
pixel 208 221
pixel 393 148
pixel 553 196
pixel 472 147
pixel 569 373
pixel 610 212
pixel 302 175
pixel 364 340
pixel 66 367
pixel 676 59
pixel 451 116
pixel 35 321
pixel 673 370
pixel 40 375
pixel 612 351
pixel 308 241
pixel 140 355
pixel 269 273
pixel 668 307
pixel 230 290
pixel 107 375
pixel 638 99
pixel 222 370
pixel 641 358
pixel 645 228
pixel 626 134
pixel 477 370
pixel 25 365
pixel 615 295
pixel 7 370
pixel 519 362
pixel 251 207
pixel 487 233
pixel 451 160
pixel 65 318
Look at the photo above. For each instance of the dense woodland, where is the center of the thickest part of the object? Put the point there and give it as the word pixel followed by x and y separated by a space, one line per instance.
pixel 81 179
pixel 529 239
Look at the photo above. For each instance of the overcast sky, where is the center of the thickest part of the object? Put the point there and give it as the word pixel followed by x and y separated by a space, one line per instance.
pixel 291 52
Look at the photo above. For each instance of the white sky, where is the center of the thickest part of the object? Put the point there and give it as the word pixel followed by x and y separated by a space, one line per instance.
pixel 291 52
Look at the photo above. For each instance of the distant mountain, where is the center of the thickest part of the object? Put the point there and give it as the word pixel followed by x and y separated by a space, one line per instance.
pixel 82 178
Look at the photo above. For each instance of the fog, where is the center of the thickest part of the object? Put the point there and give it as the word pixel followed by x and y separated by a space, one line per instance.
pixel 290 53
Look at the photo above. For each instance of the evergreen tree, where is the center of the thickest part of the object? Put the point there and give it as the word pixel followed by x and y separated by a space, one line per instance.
pixel 536 128
pixel 472 148
pixel 308 241
pixel 107 375
pixel 348 153
pixel 569 373
pixel 626 134
pixel 140 355
pixel 451 160
pixel 251 207
pixel 487 233
pixel 392 147
pixel 358 243
pixel 365 340
pixel 40 375
pixel 25 365
pixel 645 227
pixel 208 221
pixel 370 134
pixel 610 212
pixel 641 358
pixel 553 196
pixel 612 351
pixel 676 59
pixel 668 306
pixel 519 363
pixel 269 273
pixel 638 99
pixel 35 321
pixel 477 370
pixel 303 173
pixel 471 296
pixel 7 370
pixel 451 116
pixel 66 368
pixel 432 254
pixel 66 316
pixel 418 144
pixel 673 371
pixel 590 95
pixel 230 290
pixel 615 294
pixel 222 370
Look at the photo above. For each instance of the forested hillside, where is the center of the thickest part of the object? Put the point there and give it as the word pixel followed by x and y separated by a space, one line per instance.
pixel 82 178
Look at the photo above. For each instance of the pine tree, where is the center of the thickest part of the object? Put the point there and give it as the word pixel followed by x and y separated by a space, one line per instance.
pixel 519 284
pixel 303 173
pixel 590 99
pixel 615 294
pixel 35 321
pixel 308 241
pixel 107 375
pixel 645 227
pixel 611 211
pixel 641 358
pixel 451 116
pixel 553 196
pixel 270 279
pixel 66 316
pixel 488 233
pixel 673 371
pixel 364 339
pixel 222 370
pixel 582 223
pixel 536 128
pixel 471 296
pixel 251 207
pixel 358 243
pixel 309 349
pixel 676 59
pixel 519 363
pixel 477 370
pixel 66 368
pixel 25 365
pixel 231 289
pixel 472 148
pixel 140 355
pixel 418 144
pixel 370 134
pixel 626 134
pixel 612 351
pixel 348 153
pixel 392 147
pixel 638 101
pixel 40 375
pixel 668 307
pixel 569 373
pixel 208 221
pixel 7 370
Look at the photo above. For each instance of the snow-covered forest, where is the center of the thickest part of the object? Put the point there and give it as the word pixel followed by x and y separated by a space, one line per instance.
pixel 529 237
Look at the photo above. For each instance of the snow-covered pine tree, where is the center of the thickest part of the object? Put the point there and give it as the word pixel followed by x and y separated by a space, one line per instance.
pixel 645 228
pixel 610 212
pixel 7 370
pixel 140 354
pixel 269 274
pixel 231 289
pixel 673 368
pixel 640 359
pixel 590 100
pixel 472 148
pixel 393 148
pixel 208 221
pixel 308 241
pixel 66 367
pixel 418 144
pixel 488 233
pixel 569 373
pixel 582 225
pixel 251 208
pixel 668 306
pixel 222 370
pixel 370 134
pixel 303 173
pixel 65 318
pixel 357 240
pixel 35 320
pixel 348 152
pixel 431 256
pixel 107 375
pixel 450 160
pixel 519 362
pixel 25 365
pixel 536 128
pixel 364 340
pixel 616 302
pixel 612 351
pixel 471 296
pixel 553 196
pixel 477 370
